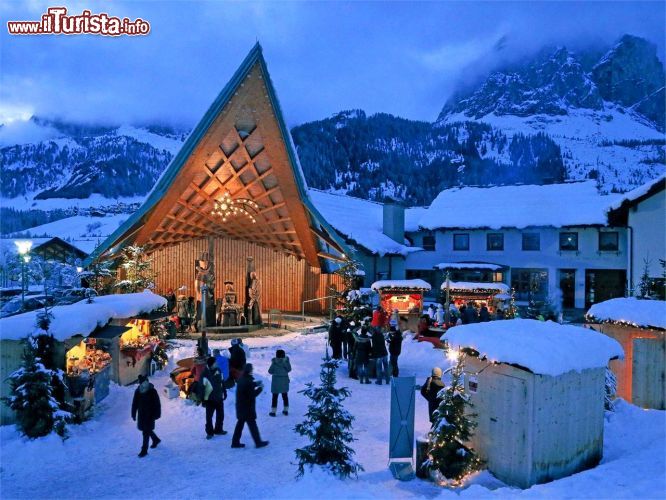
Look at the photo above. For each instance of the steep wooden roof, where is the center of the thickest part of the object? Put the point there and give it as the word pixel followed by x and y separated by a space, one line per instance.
pixel 241 146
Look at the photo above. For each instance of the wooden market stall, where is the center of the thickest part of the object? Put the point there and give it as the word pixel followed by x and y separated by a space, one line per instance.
pixel 640 326
pixel 525 378
pixel 405 296
pixel 86 344
pixel 494 295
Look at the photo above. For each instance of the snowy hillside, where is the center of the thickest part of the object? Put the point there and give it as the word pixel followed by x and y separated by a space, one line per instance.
pixel 74 162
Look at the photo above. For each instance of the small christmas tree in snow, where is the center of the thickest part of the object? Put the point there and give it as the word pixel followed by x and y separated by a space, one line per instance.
pixel 511 310
pixel 139 274
pixel 448 455
pixel 37 390
pixel 328 427
pixel 645 283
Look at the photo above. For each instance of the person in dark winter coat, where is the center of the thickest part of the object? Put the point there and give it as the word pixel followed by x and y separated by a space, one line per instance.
pixel 395 348
pixel 430 391
pixel 146 409
pixel 171 300
pixel 363 348
pixel 214 396
pixel 463 314
pixel 246 408
pixel 237 359
pixel 472 314
pixel 380 354
pixel 280 368
pixel 335 335
pixel 484 314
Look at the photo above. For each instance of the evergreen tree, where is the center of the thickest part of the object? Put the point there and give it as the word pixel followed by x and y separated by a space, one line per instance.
pixel 37 389
pixel 99 275
pixel 138 270
pixel 328 426
pixel 349 299
pixel 453 427
pixel 645 283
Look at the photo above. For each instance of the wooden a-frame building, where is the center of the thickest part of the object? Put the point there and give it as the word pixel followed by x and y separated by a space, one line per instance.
pixel 241 153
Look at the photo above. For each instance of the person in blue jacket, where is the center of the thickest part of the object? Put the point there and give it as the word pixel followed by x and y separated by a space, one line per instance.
pixel 222 363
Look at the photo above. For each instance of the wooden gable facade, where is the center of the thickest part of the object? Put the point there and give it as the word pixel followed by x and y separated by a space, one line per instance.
pixel 240 151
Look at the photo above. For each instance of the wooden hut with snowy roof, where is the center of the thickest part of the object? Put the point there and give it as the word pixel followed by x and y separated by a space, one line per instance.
pixel 235 197
pixel 640 326
pixel 538 392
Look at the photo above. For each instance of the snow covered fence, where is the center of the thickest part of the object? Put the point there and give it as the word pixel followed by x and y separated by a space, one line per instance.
pixel 524 383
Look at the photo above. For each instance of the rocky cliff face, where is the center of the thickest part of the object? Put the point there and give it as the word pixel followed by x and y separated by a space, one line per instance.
pixel 551 84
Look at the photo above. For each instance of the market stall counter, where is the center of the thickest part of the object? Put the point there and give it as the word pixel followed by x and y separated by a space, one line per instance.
pixel 405 296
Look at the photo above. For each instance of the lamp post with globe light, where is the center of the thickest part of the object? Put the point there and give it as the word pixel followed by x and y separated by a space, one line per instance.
pixel 23 247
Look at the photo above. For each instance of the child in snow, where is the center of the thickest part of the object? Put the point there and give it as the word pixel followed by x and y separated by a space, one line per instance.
pixel 280 368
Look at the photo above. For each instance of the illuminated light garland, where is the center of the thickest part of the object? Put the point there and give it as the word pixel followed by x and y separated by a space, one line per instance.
pixel 227 207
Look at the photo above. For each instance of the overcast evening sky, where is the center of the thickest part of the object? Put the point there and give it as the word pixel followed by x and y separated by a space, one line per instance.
pixel 402 58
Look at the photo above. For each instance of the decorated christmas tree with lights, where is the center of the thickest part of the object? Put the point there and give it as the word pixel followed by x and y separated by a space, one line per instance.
pixel 138 270
pixel 448 454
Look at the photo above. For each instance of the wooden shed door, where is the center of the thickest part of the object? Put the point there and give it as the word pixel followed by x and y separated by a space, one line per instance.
pixel 647 386
pixel 507 456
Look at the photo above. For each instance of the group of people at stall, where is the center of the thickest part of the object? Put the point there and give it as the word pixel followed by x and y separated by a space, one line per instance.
pixel 209 379
pixel 371 348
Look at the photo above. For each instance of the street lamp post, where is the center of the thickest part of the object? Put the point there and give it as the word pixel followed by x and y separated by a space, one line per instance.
pixel 23 247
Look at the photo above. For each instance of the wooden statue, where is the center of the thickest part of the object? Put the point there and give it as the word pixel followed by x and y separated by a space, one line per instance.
pixel 252 295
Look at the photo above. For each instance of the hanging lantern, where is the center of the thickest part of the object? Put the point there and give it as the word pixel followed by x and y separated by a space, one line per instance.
pixel 226 207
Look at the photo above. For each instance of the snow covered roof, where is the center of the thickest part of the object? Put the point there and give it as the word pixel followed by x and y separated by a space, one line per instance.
pixel 468 265
pixel 631 311
pixel 82 318
pixel 556 205
pixel 639 192
pixel 406 284
pixel 469 285
pixel 543 347
pixel 413 218
pixel 360 221
pixel 9 245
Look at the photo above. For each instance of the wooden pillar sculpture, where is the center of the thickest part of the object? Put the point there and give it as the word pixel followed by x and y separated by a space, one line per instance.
pixel 252 294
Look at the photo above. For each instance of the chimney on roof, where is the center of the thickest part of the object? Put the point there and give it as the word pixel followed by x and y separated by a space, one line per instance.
pixel 394 222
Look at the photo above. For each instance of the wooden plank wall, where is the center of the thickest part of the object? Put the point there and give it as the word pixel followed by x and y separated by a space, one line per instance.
pixel 286 281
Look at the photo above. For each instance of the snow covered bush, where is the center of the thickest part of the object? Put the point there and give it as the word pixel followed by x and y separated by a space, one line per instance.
pixel 448 455
pixel 328 426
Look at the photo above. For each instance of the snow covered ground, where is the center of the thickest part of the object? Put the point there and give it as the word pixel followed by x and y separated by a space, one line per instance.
pixel 99 459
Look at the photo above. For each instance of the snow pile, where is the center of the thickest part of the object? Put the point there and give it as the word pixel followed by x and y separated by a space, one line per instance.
pixel 631 311
pixel 358 220
pixel 406 284
pixel 469 285
pixel 545 348
pixel 468 265
pixel 555 205
pixel 82 318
